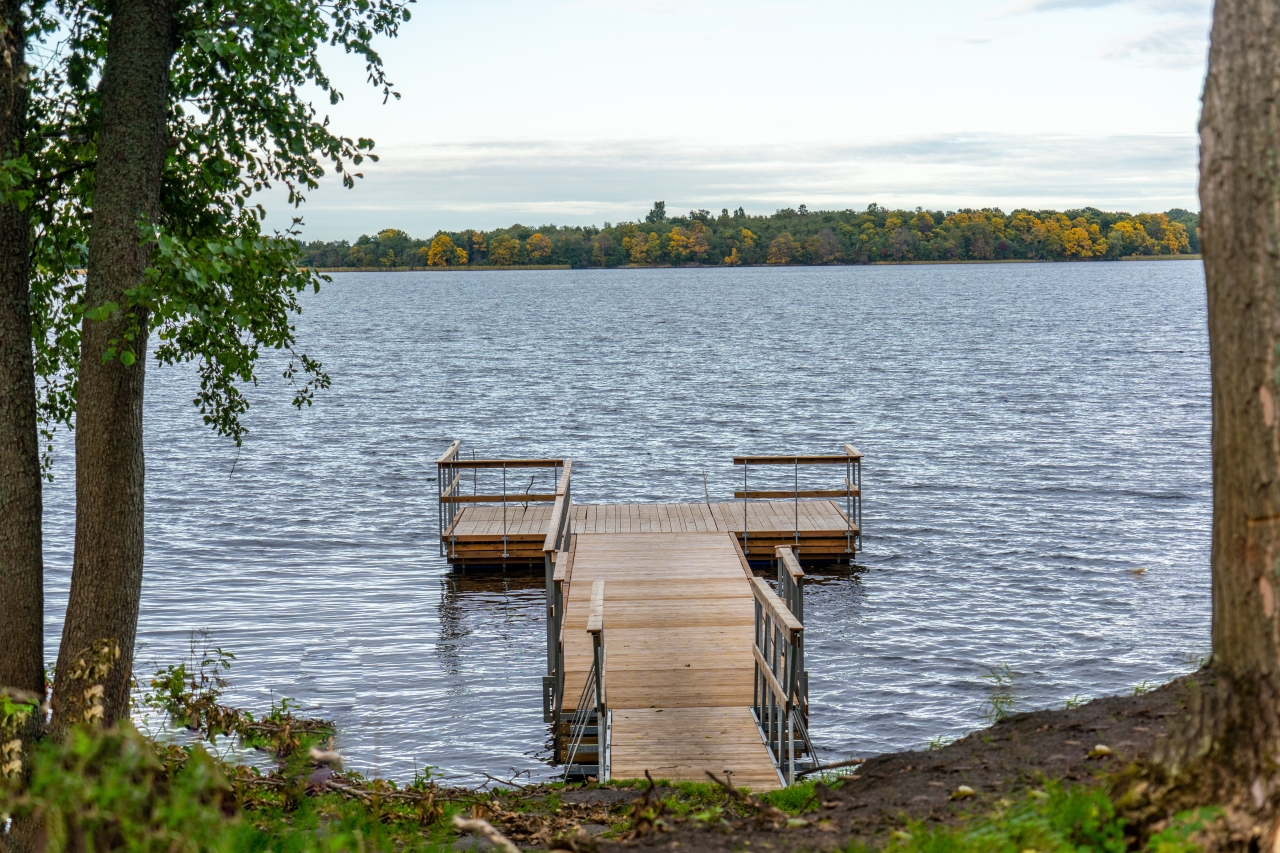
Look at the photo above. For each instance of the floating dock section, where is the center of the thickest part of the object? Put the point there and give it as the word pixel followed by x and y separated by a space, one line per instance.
pixel 665 652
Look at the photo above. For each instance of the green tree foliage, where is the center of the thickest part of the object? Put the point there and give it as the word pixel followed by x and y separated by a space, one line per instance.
pixel 800 236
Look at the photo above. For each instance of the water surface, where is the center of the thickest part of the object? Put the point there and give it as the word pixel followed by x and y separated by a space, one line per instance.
pixel 1034 435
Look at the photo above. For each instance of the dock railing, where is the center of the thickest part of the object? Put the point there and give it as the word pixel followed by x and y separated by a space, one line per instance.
pixel 557 559
pixel 452 495
pixel 851 458
pixel 591 716
pixel 780 701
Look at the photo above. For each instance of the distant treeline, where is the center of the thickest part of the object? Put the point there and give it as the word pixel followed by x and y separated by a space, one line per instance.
pixel 787 237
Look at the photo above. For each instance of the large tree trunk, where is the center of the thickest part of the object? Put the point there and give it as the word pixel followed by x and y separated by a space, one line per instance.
pixel 1226 750
pixel 21 561
pixel 21 564
pixel 106 579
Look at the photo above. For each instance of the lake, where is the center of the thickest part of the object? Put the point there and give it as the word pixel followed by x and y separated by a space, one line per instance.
pixel 1034 436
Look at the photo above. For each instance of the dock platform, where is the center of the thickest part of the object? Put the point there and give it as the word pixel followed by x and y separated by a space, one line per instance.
pixel 505 527
pixel 665 652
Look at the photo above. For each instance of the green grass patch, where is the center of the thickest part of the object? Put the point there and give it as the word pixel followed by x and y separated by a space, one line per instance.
pixel 1057 819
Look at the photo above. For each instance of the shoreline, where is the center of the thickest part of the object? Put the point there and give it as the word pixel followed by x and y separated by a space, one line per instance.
pixel 525 267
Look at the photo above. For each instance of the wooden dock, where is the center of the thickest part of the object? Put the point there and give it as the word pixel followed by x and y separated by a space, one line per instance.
pixel 665 653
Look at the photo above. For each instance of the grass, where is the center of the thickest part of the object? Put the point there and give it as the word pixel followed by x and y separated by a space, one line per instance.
pixel 1055 819
pixel 999 702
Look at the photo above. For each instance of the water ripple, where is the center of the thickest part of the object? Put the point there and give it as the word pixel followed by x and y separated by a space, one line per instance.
pixel 1033 433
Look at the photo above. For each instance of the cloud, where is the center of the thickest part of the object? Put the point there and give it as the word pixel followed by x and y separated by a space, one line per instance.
pixel 1199 8
pixel 1182 45
pixel 490 183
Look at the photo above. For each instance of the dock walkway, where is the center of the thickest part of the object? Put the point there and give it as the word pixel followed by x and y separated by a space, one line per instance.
pixel 678 618
pixel 665 653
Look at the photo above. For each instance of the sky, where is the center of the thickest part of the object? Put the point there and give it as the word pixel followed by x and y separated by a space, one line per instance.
pixel 586 111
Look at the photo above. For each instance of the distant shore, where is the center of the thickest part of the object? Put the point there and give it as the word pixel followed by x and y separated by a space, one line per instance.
pixel 488 268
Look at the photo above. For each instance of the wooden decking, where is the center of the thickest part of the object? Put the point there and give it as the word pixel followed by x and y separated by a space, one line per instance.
pixel 476 535
pixel 678 625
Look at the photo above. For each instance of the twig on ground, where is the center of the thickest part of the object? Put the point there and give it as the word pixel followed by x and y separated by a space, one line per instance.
pixel 836 765
pixel 487 831
pixel 512 782
pixel 765 813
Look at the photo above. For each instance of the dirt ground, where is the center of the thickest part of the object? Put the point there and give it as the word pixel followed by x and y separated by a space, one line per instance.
pixel 1012 756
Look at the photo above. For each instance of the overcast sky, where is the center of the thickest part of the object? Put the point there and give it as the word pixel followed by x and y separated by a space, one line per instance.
pixel 587 111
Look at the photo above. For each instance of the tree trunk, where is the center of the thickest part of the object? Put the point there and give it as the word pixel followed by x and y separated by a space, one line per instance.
pixel 21 563
pixel 106 579
pixel 21 558
pixel 1225 751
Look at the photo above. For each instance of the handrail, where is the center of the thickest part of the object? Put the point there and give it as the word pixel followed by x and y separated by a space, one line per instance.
pixel 787 624
pixel 445 512
pixel 558 539
pixel 553 681
pixel 851 458
pixel 789 493
pixel 780 700
pixel 560 512
pixel 595 616
pixel 502 463
pixel 593 698
pixel 791 581
pixel 448 490
pixel 778 459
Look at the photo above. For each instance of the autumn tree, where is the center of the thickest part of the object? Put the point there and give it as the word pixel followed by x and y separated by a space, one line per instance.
pixel 538 247
pixel 443 252
pixel 1223 750
pixel 504 251
pixel 642 248
pixel 782 249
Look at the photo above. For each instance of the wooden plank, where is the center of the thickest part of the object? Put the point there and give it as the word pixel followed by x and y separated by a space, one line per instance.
pixel 791 460
pixel 696 740
pixel 852 452
pixel 513 498
pixel 790 493
pixel 450 453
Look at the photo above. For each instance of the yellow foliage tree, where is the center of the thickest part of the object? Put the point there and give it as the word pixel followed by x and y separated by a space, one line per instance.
pixel 443 253
pixel 782 249
pixel 539 247
pixel 678 244
pixel 748 239
pixel 732 259
pixel 643 249
pixel 504 250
